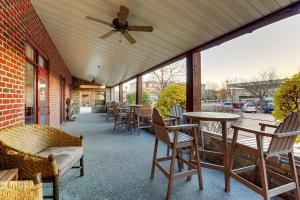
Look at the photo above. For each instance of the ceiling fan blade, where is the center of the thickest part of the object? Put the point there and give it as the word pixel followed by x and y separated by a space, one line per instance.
pixel 129 37
pixel 123 14
pixel 140 28
pixel 107 34
pixel 98 20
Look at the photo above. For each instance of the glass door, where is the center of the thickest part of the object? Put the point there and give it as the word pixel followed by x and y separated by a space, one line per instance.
pixel 42 97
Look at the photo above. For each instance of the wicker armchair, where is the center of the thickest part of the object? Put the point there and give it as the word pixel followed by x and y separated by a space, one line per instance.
pixel 22 190
pixel 31 149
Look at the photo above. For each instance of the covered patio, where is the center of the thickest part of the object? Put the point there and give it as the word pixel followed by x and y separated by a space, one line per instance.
pixel 122 170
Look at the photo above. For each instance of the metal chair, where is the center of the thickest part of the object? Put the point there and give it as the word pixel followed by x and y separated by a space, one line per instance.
pixel 281 142
pixel 176 140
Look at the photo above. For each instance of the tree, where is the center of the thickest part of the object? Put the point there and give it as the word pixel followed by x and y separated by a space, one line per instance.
pixel 130 98
pixel 174 94
pixel 222 93
pixel 287 97
pixel 167 75
pixel 261 85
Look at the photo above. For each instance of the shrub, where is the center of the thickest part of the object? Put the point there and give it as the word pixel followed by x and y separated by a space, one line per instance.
pixel 174 94
pixel 130 98
pixel 287 97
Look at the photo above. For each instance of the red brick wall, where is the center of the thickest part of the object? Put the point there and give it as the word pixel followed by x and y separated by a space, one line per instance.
pixel 19 23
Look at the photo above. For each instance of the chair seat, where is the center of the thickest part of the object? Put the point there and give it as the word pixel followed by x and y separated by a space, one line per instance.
pixel 182 137
pixel 251 142
pixel 123 115
pixel 65 157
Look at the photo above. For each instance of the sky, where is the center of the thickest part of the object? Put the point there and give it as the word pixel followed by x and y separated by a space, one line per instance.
pixel 273 47
pixel 276 46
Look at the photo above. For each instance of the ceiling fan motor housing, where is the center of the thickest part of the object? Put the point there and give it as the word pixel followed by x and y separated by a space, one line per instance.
pixel 118 26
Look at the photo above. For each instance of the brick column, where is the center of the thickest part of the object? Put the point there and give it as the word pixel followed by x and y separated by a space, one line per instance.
pixel 193 81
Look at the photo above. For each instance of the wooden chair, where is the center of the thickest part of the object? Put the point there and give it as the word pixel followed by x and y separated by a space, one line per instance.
pixel 144 117
pixel 176 140
pixel 176 112
pixel 120 118
pixel 109 109
pixel 281 142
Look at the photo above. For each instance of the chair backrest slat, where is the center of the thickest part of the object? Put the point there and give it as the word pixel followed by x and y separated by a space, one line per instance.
pixel 159 127
pixel 177 111
pixel 280 144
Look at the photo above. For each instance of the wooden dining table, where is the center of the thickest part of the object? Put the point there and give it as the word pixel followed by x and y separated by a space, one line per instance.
pixel 223 118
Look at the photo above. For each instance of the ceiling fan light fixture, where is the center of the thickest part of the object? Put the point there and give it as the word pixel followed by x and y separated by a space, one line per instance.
pixel 120 24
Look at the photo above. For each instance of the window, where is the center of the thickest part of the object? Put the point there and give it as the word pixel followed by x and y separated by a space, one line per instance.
pixel 29 52
pixel 30 94
pixel 42 62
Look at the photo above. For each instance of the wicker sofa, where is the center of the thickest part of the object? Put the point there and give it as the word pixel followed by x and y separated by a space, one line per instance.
pixel 40 149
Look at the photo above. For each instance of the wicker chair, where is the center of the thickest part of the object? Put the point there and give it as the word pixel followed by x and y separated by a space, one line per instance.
pixel 22 190
pixel 40 149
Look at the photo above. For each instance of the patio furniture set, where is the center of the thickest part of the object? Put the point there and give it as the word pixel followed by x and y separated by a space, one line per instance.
pixel 132 117
pixel 188 138
pixel 50 153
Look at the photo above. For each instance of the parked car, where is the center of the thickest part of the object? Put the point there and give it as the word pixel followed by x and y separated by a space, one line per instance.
pixel 249 107
pixel 237 105
pixel 269 108
pixel 227 105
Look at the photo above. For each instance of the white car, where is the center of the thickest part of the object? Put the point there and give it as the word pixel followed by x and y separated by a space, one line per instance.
pixel 249 107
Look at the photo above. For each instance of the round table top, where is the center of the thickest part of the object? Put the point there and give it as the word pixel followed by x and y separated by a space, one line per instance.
pixel 211 116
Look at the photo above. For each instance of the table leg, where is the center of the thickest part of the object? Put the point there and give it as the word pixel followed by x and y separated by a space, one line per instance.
pixel 226 155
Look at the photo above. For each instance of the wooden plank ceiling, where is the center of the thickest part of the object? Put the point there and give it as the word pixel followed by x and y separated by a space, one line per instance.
pixel 178 26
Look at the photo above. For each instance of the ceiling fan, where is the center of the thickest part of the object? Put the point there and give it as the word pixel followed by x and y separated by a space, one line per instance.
pixel 120 24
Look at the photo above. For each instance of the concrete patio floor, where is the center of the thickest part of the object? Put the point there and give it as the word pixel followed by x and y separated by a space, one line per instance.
pixel 117 166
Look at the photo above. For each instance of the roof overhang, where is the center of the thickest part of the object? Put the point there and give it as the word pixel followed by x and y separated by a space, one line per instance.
pixel 179 27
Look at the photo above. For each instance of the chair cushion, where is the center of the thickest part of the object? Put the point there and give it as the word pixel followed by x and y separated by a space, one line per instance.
pixel 65 157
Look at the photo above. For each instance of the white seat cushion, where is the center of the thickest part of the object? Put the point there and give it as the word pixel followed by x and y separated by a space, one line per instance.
pixel 65 157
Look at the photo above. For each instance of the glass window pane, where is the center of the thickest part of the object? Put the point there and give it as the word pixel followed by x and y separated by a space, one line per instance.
pixel 29 51
pixel 30 92
pixel 43 100
pixel 42 62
